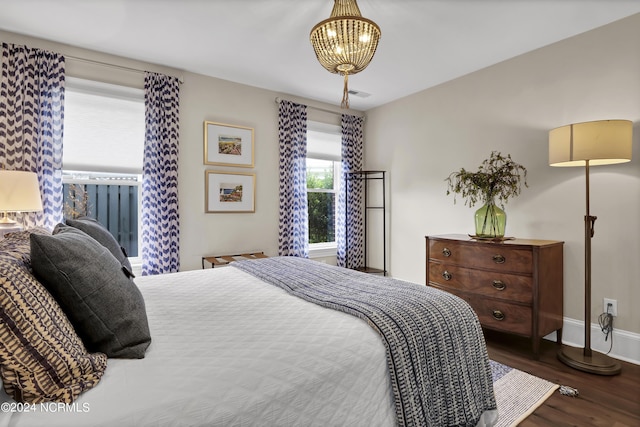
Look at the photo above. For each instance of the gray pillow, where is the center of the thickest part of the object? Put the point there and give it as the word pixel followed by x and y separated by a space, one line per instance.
pixel 105 307
pixel 96 230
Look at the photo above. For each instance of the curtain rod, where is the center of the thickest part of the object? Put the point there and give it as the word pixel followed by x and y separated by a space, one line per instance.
pixel 326 110
pixel 106 64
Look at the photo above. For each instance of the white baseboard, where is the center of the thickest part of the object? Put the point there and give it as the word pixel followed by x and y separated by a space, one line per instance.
pixel 626 345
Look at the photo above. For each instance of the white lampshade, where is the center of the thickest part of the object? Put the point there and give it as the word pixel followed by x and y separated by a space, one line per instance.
pixel 601 142
pixel 19 192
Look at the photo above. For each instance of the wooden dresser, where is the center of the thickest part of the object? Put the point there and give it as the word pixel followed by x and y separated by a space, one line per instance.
pixel 514 286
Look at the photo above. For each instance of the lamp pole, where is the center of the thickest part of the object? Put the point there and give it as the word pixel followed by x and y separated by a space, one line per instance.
pixel 589 222
pixel 586 360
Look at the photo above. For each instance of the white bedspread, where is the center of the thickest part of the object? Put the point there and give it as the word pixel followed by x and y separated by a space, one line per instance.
pixel 230 350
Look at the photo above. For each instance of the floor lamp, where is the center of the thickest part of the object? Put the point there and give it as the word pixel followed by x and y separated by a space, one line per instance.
pixel 590 144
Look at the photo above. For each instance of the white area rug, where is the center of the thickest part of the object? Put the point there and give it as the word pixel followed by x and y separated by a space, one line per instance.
pixel 517 393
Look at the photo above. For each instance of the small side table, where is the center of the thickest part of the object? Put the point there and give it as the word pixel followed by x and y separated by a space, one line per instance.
pixel 220 260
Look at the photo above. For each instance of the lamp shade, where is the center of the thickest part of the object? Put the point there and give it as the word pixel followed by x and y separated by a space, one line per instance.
pixel 600 142
pixel 19 191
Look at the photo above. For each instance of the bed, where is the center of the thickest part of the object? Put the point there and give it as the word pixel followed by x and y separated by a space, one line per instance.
pixel 230 348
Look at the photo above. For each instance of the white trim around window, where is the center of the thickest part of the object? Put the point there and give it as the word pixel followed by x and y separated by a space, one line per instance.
pixel 323 250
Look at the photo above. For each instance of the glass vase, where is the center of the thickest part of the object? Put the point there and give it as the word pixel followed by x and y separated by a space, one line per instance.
pixel 490 221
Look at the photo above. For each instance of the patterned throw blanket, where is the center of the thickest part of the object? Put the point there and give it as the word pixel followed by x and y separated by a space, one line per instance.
pixel 436 352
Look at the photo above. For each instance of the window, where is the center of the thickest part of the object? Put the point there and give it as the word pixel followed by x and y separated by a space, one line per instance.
pixel 323 183
pixel 102 157
pixel 322 176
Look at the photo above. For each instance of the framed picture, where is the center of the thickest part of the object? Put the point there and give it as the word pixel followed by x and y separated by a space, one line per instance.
pixel 228 145
pixel 229 192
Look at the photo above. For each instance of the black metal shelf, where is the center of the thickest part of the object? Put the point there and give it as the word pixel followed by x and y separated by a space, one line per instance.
pixel 366 177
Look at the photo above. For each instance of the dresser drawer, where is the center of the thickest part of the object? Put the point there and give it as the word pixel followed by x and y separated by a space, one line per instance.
pixel 499 315
pixel 505 286
pixel 492 256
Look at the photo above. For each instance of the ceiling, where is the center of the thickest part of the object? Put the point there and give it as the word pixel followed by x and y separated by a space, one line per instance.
pixel 265 43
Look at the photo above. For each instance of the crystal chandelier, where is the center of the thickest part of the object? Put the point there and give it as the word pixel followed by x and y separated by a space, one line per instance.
pixel 346 42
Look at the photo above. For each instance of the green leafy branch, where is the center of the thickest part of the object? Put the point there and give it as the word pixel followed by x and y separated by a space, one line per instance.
pixel 498 178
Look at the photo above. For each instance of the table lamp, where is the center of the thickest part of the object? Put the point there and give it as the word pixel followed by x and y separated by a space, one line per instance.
pixel 19 192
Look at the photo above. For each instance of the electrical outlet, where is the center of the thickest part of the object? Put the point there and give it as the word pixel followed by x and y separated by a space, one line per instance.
pixel 614 306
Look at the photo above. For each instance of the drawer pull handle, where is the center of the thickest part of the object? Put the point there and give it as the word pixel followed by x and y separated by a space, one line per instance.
pixel 498 315
pixel 499 285
pixel 499 259
pixel 447 275
pixel 446 252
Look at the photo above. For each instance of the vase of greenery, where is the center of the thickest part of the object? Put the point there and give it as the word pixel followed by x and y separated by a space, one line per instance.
pixel 497 179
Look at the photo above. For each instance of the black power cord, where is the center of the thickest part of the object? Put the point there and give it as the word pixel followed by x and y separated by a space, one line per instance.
pixel 606 325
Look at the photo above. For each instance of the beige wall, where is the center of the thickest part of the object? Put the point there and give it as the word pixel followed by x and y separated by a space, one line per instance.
pixel 510 107
pixel 205 98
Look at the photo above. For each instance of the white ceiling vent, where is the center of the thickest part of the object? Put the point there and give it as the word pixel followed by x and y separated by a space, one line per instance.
pixel 359 93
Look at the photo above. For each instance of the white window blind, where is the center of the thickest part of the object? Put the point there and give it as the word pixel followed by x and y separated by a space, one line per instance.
pixel 103 127
pixel 324 141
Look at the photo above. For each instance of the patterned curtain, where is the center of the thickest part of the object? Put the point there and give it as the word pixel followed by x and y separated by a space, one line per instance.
pixel 31 123
pixel 292 134
pixel 160 220
pixel 349 231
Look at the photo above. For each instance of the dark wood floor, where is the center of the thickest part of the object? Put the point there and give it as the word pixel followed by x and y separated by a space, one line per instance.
pixel 604 401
